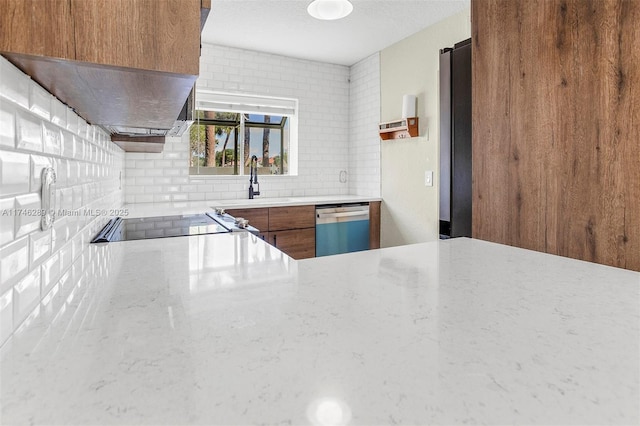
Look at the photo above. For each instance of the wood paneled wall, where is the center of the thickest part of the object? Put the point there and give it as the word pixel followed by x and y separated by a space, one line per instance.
pixel 556 127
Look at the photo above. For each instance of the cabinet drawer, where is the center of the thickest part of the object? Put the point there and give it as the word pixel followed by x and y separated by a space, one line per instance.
pixel 258 218
pixel 297 243
pixel 292 217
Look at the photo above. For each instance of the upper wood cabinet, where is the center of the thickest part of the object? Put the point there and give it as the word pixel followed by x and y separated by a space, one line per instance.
pixel 129 63
pixel 159 35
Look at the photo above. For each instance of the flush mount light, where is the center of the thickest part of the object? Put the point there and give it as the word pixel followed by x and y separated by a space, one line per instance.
pixel 329 10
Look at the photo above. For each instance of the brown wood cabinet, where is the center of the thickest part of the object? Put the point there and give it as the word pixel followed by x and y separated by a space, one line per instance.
pixel 258 218
pixel 297 243
pixel 293 229
pixel 295 217
pixel 374 224
pixel 129 63
pixel 290 229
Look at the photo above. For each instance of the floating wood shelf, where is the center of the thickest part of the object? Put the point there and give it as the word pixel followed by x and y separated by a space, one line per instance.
pixel 399 129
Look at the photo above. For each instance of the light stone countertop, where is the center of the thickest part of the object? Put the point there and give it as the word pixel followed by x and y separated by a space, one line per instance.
pixel 189 207
pixel 226 330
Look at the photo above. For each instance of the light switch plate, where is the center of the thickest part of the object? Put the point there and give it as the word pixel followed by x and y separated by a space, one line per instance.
pixel 428 178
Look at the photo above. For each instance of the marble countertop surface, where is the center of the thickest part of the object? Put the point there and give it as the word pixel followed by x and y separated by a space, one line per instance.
pixel 226 330
pixel 187 207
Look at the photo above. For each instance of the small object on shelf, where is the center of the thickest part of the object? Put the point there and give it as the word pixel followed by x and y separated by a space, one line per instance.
pixel 399 129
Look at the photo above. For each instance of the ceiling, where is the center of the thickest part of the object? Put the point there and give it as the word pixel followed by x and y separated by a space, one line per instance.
pixel 283 26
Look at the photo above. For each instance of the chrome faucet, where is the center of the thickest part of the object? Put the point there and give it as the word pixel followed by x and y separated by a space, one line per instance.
pixel 253 177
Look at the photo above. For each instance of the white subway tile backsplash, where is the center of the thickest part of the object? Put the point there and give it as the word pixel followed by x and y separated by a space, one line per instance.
pixel 58 113
pixel 28 217
pixel 14 173
pixel 38 163
pixel 72 121
pixel 52 139
pixel 76 246
pixel 7 220
pixel 68 144
pixel 83 129
pixel 26 296
pixel 39 247
pixel 323 94
pixel 51 303
pixel 6 315
pixel 77 197
pixel 59 232
pixel 40 101
pixel 80 147
pixel 14 84
pixel 14 263
pixel 28 131
pixel 66 199
pixel 73 173
pixel 143 198
pixel 66 256
pixel 91 152
pixel 88 169
pixel 143 181
pixel 7 124
pixel 60 166
pixel 364 141
pixel 161 198
pixel 50 272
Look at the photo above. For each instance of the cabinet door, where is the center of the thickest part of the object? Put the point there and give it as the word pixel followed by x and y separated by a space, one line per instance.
pixel 143 34
pixel 150 35
pixel 297 243
pixel 297 217
pixel 36 27
pixel 258 218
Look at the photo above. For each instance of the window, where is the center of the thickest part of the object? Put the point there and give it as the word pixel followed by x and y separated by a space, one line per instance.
pixel 229 129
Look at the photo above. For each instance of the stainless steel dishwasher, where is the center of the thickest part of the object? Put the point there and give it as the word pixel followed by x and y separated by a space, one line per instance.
pixel 342 228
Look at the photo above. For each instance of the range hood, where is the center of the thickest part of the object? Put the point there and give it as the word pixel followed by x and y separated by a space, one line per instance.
pixel 140 139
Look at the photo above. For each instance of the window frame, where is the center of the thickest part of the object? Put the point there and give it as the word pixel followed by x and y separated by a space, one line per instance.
pixel 287 108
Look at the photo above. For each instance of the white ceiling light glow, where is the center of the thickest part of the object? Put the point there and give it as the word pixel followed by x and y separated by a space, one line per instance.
pixel 329 10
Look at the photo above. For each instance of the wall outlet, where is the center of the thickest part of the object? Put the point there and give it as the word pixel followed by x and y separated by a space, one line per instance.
pixel 428 178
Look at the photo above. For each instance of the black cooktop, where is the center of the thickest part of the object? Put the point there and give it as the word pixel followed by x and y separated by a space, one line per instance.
pixel 119 229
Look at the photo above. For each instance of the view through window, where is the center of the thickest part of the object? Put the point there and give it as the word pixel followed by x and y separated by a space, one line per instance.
pixel 223 142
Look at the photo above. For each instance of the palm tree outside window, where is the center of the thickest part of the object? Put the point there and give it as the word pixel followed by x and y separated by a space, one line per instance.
pixel 222 142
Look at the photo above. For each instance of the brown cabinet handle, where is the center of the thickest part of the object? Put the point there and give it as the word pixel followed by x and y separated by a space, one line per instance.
pixel 275 241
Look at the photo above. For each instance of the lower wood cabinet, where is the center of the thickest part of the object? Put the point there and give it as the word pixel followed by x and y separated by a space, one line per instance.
pixel 258 218
pixel 297 243
pixel 293 229
pixel 294 217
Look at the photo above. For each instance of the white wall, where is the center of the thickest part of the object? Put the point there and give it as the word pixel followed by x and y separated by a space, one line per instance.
pixel 364 117
pixel 36 131
pixel 323 93
pixel 410 209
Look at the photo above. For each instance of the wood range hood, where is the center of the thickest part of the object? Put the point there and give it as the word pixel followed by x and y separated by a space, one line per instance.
pixel 128 66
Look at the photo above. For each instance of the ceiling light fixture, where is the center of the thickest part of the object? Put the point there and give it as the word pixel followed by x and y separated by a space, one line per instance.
pixel 329 10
